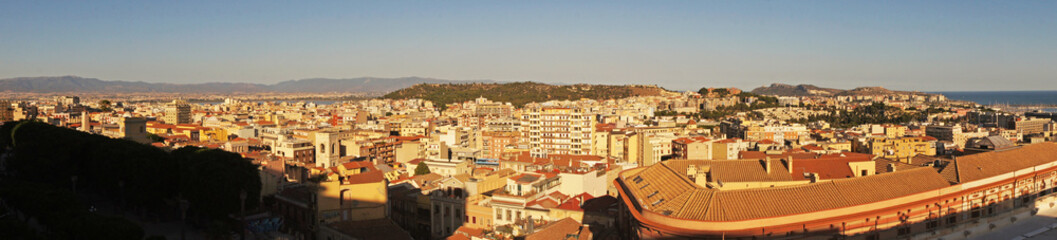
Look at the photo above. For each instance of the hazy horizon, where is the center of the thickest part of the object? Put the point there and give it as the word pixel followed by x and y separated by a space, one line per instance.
pixel 680 45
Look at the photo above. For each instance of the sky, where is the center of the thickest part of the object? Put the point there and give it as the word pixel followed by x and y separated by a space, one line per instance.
pixel 679 45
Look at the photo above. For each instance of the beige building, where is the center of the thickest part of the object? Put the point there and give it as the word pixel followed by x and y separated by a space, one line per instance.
pixel 177 112
pixel 899 148
pixel 558 130
pixel 697 148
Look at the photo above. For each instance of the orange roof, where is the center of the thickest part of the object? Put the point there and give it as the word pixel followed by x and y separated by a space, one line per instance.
pixel 813 148
pixel 685 140
pixel 563 229
pixel 989 164
pixel 367 177
pixel 575 202
pixel 659 188
pixel 356 164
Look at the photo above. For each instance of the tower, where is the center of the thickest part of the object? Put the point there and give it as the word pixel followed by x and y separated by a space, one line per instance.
pixel 177 112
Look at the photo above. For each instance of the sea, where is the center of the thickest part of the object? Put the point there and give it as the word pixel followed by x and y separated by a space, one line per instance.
pixel 1022 98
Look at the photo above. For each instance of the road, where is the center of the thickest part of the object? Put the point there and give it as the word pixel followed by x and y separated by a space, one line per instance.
pixel 1039 226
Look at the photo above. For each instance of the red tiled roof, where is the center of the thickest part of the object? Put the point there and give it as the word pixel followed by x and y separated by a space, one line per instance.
pixel 367 177
pixel 356 164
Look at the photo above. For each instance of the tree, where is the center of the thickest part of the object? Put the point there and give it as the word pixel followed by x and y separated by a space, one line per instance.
pixel 421 169
pixel 104 105
pixel 155 137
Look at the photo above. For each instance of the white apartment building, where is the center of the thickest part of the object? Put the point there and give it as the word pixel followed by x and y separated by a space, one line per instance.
pixel 558 130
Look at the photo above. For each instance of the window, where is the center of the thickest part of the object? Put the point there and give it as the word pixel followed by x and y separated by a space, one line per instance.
pixel 904 231
pixel 932 224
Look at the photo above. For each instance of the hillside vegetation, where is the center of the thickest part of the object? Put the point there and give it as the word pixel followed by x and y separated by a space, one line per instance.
pixel 520 93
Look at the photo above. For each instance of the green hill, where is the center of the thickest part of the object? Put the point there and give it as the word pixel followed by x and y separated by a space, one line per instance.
pixel 520 93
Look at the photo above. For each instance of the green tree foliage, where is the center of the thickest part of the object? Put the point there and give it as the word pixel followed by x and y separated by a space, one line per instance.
pixel 202 168
pixel 421 169
pixel 155 137
pixel 518 93
pixel 62 213
pixel 142 175
pixel 104 105
pixel 719 92
pixel 876 113
pixel 665 113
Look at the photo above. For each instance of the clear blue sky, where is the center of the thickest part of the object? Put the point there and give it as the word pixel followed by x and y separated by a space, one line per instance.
pixel 911 45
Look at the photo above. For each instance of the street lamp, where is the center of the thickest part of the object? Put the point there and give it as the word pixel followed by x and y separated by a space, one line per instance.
pixel 121 184
pixel 242 213
pixel 183 216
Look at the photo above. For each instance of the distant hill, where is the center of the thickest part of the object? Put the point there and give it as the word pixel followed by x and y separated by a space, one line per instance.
pixel 365 84
pixel 315 85
pixel 802 90
pixel 520 93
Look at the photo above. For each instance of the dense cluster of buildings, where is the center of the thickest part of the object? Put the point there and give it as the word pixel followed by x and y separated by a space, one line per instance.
pixel 607 169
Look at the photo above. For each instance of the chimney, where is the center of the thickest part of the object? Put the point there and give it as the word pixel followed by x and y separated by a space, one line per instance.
pixel 891 167
pixel 767 165
pixel 788 164
pixel 814 177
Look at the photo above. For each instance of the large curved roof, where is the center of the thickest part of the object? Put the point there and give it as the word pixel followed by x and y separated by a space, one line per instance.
pixel 665 189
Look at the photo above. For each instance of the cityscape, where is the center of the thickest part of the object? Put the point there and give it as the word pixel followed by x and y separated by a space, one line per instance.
pixel 121 147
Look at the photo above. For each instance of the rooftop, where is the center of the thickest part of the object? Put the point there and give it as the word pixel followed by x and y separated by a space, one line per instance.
pixel 989 164
pixel 662 188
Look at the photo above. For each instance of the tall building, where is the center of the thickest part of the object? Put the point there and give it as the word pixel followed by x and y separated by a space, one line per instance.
pixel 7 113
pixel 177 112
pixel 558 130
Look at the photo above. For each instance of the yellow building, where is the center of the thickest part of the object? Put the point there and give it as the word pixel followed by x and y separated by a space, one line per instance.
pixel 478 213
pixel 894 131
pixel 354 197
pixel 212 134
pixel 902 148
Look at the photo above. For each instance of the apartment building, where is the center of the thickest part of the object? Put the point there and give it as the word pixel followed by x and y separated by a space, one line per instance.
pixel 177 112
pixel 558 130
pixel 899 148
pixel 698 148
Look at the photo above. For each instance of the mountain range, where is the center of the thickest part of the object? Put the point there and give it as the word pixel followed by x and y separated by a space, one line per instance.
pixel 369 85
pixel 803 90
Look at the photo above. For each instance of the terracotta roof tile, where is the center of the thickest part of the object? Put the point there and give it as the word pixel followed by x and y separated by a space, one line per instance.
pixel 988 164
pixel 662 189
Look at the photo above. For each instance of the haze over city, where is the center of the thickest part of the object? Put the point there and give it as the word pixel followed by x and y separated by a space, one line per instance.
pixel 680 45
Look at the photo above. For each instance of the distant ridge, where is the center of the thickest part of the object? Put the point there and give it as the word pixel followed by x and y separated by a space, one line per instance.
pixel 520 93
pixel 804 90
pixel 72 84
